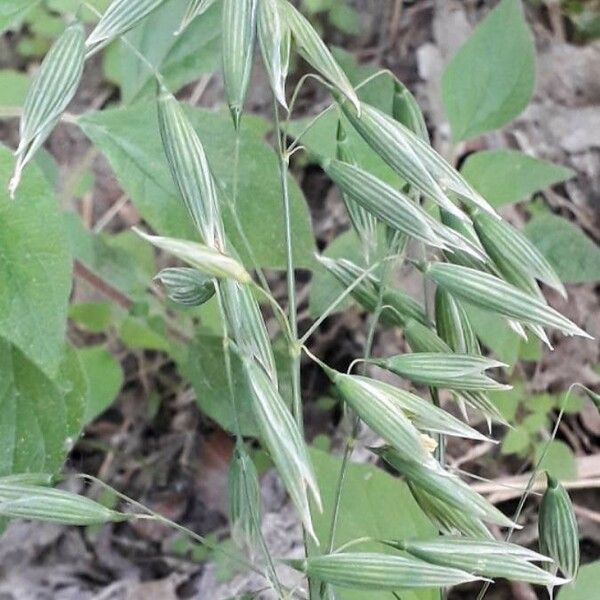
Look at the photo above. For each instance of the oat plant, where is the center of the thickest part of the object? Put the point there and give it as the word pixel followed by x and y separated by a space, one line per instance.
pixel 428 218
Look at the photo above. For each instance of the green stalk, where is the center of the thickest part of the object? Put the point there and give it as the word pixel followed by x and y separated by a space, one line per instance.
pixel 352 439
pixel 215 547
pixel 291 276
pixel 294 350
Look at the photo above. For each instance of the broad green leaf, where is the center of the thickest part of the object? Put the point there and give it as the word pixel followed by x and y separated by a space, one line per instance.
pixel 179 59
pixel 585 586
pixel 491 78
pixel 574 256
pixel 13 88
pixel 559 460
pixel 516 441
pixel 35 268
pixel 374 504
pixel 12 12
pixel 41 417
pixel 145 333
pixel 104 376
pixel 95 317
pixel 506 176
pixel 130 140
pixel 345 18
pixel 124 260
pixel 203 363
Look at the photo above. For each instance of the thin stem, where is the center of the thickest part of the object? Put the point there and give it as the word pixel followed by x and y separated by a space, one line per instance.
pixel 296 92
pixel 291 275
pixel 533 477
pixel 294 350
pixel 342 297
pixel 278 311
pixel 318 117
pixel 158 517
